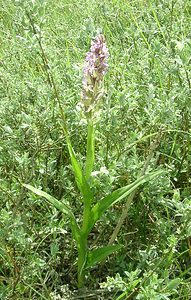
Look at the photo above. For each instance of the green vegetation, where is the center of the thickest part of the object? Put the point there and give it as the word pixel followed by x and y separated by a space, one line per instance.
pixel 58 237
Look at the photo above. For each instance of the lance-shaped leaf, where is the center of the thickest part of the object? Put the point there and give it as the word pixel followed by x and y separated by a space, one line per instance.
pixel 97 255
pixel 117 195
pixel 80 178
pixel 64 208
pixel 55 202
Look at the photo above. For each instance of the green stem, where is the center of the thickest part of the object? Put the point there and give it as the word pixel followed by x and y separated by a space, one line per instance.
pixel 90 150
pixel 82 255
pixel 83 246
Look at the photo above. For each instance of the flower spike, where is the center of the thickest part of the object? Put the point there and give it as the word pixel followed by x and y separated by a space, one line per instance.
pixel 95 67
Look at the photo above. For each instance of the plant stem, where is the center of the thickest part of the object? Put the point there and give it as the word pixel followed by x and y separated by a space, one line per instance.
pixel 83 247
pixel 90 149
pixel 82 255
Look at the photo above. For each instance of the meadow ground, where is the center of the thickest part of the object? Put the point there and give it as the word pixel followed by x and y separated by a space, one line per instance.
pixel 143 126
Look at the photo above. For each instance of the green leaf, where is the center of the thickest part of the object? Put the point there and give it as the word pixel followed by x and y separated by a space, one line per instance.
pixel 97 255
pixel 64 208
pixel 56 203
pixel 80 178
pixel 119 194
pixel 173 284
pixel 54 248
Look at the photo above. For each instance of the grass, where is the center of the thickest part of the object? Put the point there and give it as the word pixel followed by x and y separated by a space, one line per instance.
pixel 147 90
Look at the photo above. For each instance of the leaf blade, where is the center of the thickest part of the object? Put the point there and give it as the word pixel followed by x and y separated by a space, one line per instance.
pixel 64 208
pixel 56 203
pixel 99 254
pixel 117 195
pixel 79 177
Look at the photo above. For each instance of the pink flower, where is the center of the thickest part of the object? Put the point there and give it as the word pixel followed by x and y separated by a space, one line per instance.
pixel 95 67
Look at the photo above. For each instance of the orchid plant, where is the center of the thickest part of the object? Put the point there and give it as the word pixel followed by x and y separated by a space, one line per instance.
pixel 95 67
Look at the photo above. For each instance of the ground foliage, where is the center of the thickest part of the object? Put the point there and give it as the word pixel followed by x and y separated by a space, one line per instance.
pixel 147 96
